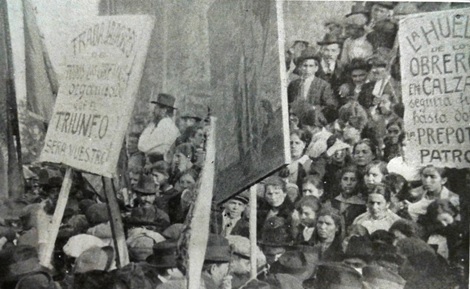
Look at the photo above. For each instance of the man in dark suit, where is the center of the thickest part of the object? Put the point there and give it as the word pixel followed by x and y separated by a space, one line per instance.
pixel 310 89
pixel 330 68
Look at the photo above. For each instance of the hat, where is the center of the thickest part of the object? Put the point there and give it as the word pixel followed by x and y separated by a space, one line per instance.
pixel 293 263
pixel 337 146
pixel 165 100
pixel 164 255
pixel 358 8
pixel 78 244
pixel 243 197
pixel 140 247
pixel 330 39
pixel 19 261
pixel 218 249
pixel 284 281
pixel 308 53
pixel 95 259
pixel 146 186
pixel 143 216
pixel 381 278
pixel 405 8
pixel 173 232
pixel 38 280
pixel 359 247
pixel 161 167
pixel 358 20
pixel 275 233
pixel 336 276
pixel 241 247
pixel 97 214
pixel 195 110
pixel 274 181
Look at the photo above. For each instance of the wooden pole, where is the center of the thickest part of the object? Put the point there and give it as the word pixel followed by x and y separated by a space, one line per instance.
pixel 201 211
pixel 253 201
pixel 117 228
pixel 45 258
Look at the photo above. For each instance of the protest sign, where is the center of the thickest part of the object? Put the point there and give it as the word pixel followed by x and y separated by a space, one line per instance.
pixel 249 101
pixel 104 64
pixel 435 66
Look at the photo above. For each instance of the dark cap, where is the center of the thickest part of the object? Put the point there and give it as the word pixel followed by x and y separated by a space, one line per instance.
pixel 330 39
pixel 146 186
pixel 165 100
pixel 164 255
pixel 218 249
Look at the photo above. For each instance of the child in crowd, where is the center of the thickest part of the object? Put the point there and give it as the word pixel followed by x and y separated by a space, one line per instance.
pixel 308 208
pixel 375 174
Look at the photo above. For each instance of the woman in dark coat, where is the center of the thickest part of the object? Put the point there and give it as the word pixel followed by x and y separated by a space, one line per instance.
pixel 328 236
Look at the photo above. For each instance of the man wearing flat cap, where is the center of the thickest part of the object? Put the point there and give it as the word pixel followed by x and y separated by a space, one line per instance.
pixel 158 137
pixel 232 221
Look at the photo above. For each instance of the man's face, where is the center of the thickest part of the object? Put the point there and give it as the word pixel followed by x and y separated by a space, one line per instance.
pixel 158 111
pixel 235 208
pixel 379 13
pixel 198 139
pixel 275 196
pixel 297 48
pixel 148 200
pixel 309 67
pixel 330 52
pixel 307 216
pixel 134 179
pixel 309 189
pixel 359 76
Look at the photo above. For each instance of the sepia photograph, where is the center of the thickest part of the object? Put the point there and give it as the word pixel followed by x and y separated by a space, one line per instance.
pixel 234 144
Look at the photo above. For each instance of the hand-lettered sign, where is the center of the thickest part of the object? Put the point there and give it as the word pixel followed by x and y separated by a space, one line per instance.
pixel 104 64
pixel 435 69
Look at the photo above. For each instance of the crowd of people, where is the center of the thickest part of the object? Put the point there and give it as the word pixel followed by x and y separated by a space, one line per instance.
pixel 347 212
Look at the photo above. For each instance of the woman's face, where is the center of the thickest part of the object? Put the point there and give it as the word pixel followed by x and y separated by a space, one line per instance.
pixel 181 162
pixel 377 205
pixel 393 132
pixel 297 146
pixel 339 155
pixel 185 182
pixel 198 139
pixel 348 183
pixel 309 189
pixel 275 196
pixel 432 180
pixel 373 177
pixel 326 227
pixel 363 154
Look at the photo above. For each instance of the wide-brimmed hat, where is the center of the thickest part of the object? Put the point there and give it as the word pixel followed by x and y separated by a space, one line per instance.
pixel 165 100
pixel 164 255
pixel 173 232
pixel 358 8
pixel 95 259
pixel 382 278
pixel 146 186
pixel 218 249
pixel 330 39
pixel 161 167
pixel 308 53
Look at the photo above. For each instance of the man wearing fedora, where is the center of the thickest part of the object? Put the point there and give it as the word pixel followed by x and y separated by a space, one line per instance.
pixel 164 261
pixel 160 134
pixel 310 89
pixel 330 69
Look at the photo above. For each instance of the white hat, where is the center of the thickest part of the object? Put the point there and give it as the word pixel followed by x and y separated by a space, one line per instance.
pixel 337 146
pixel 78 244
